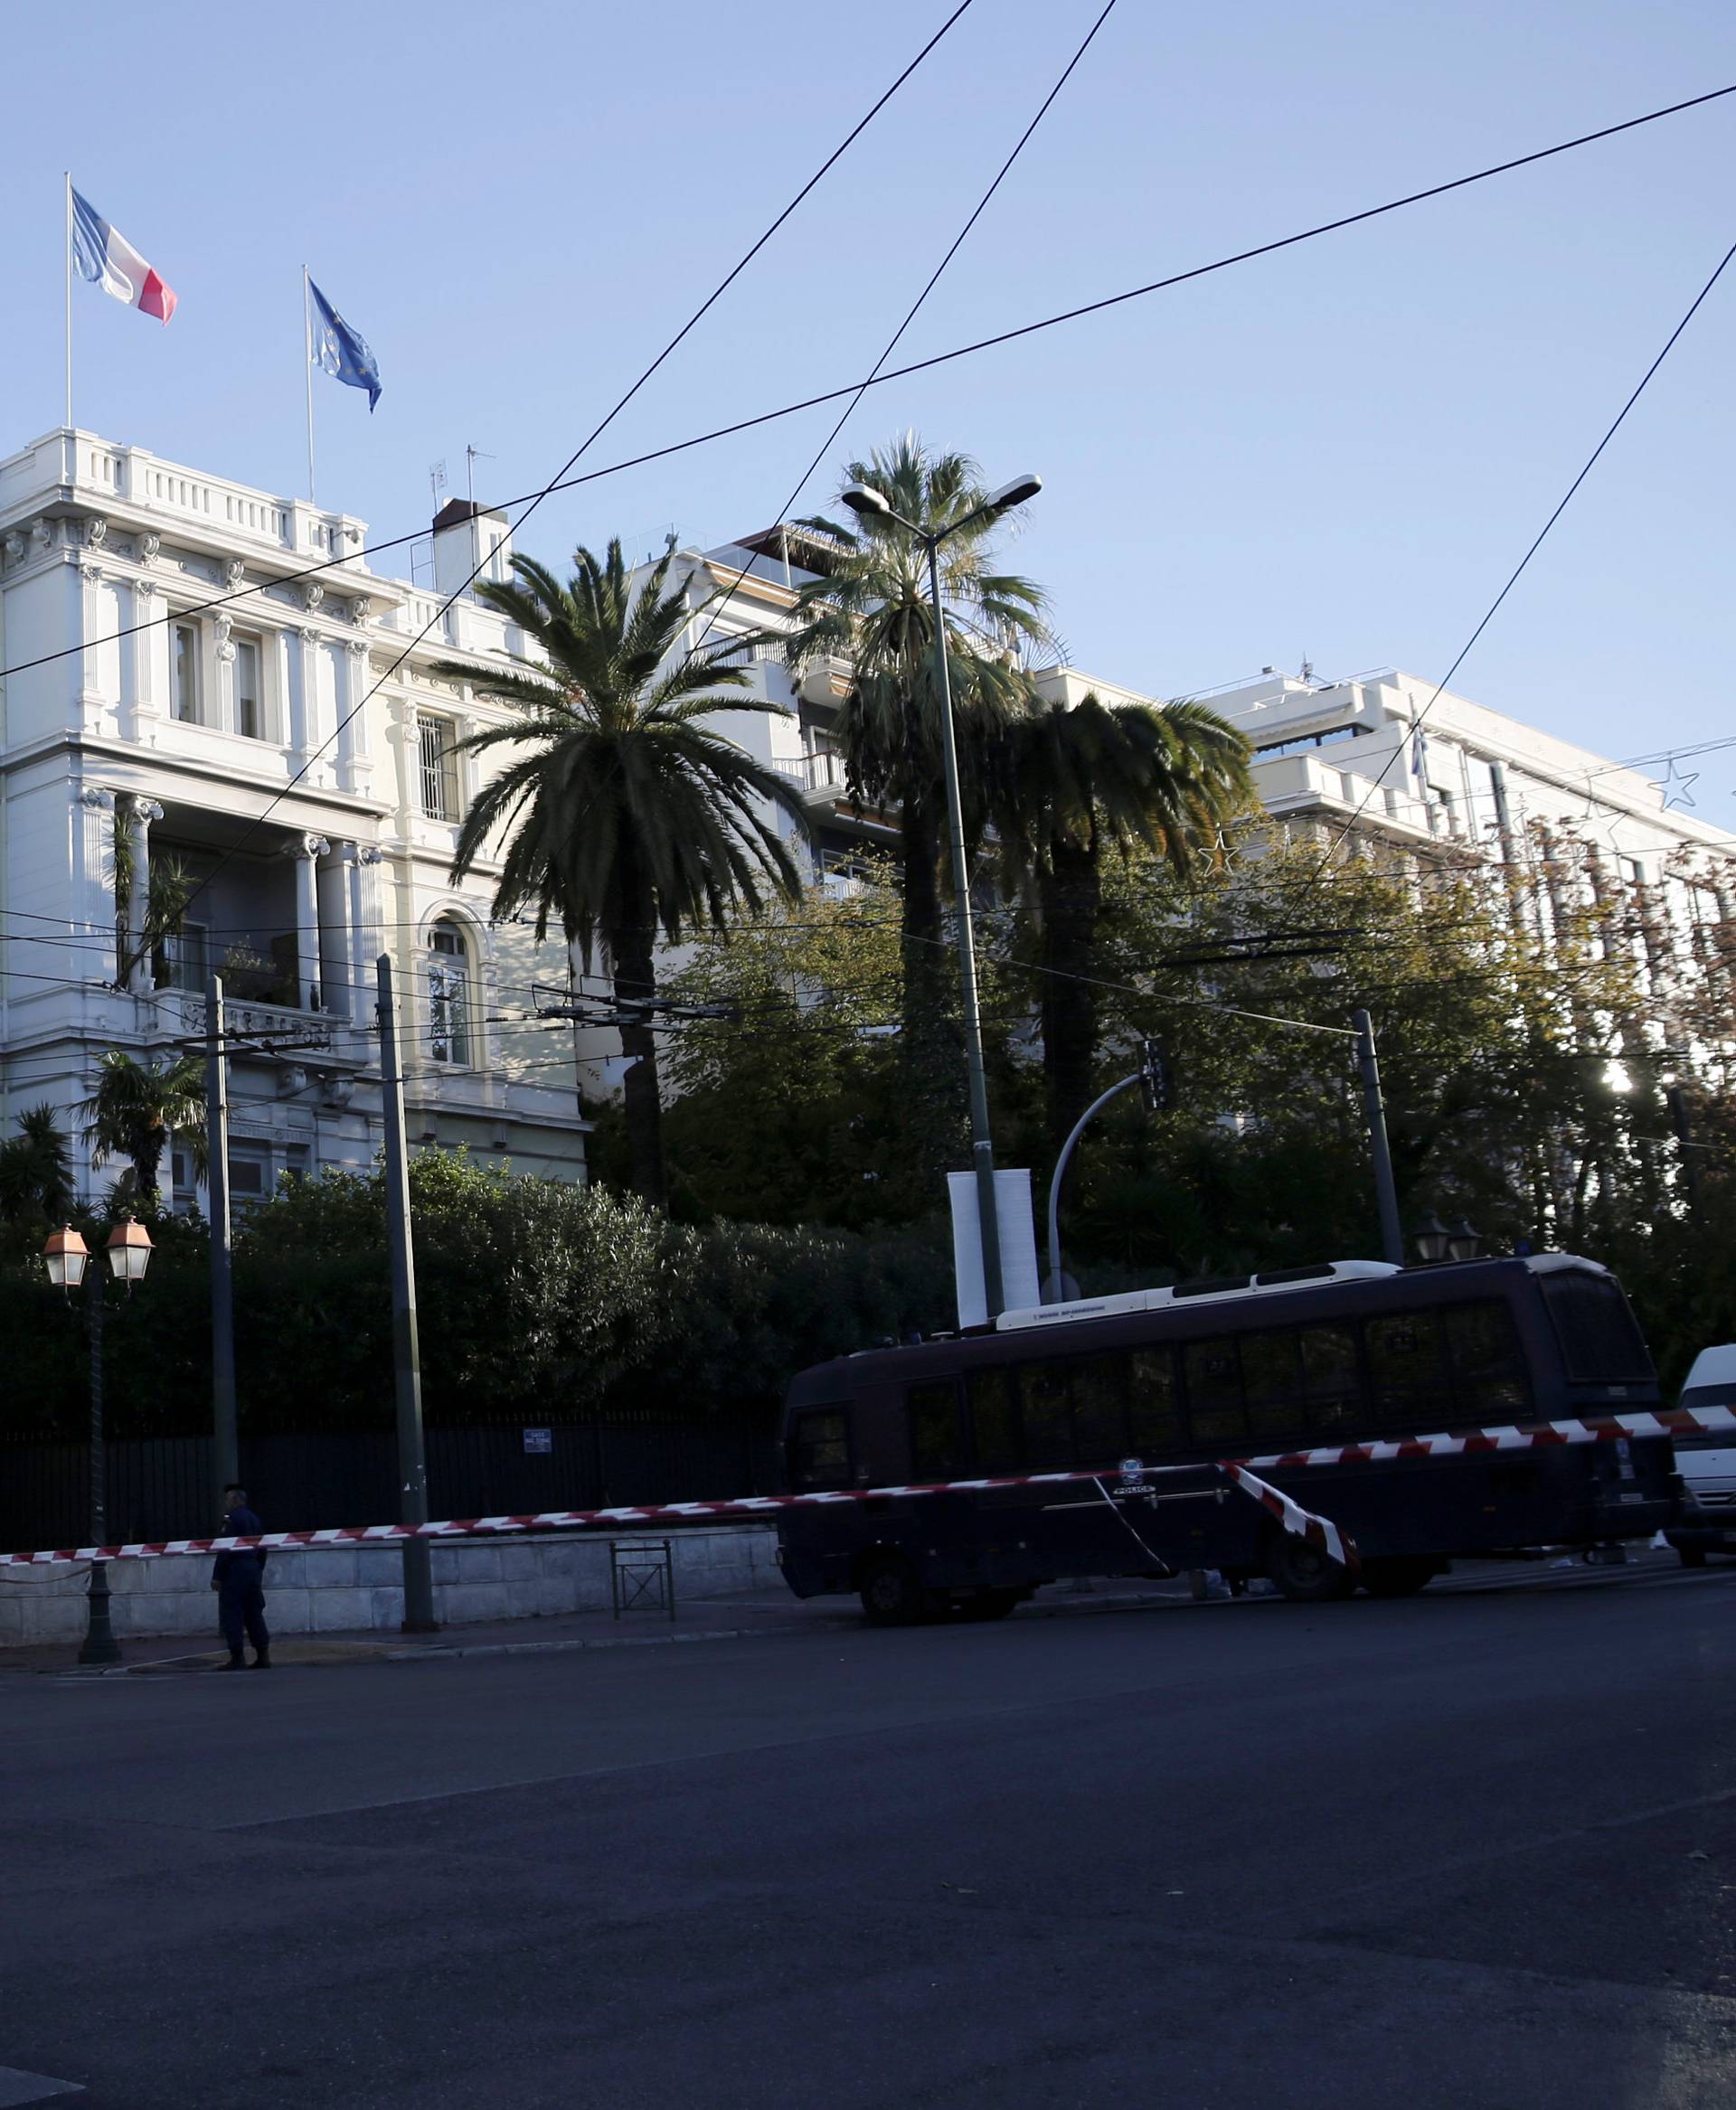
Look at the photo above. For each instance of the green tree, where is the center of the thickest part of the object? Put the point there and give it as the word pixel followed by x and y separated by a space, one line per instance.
pixel 1065 786
pixel 36 1170
pixel 625 816
pixel 792 1108
pixel 871 608
pixel 134 1108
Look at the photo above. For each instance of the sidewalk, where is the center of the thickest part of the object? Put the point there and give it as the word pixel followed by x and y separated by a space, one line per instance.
pixel 755 1615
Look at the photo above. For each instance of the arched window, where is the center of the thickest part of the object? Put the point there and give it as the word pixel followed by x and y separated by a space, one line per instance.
pixel 449 993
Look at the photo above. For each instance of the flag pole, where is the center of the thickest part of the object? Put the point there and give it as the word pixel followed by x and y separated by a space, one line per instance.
pixel 307 369
pixel 67 260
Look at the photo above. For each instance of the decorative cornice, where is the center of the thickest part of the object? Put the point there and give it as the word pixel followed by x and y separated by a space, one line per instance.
pixel 312 594
pixel 309 846
pixel 96 796
pixel 150 544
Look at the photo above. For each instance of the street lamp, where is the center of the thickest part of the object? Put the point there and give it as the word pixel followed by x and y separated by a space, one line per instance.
pixel 1464 1242
pixel 869 504
pixel 1433 1239
pixel 68 1261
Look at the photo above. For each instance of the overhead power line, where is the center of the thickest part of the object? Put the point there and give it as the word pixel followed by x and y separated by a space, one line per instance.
pixel 596 432
pixel 882 379
pixel 1421 718
pixel 915 308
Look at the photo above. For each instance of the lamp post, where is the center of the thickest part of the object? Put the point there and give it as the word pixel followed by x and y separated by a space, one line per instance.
pixel 1433 1239
pixel 868 504
pixel 67 1260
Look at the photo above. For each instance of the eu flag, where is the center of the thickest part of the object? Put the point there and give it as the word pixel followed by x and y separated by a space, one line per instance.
pixel 340 351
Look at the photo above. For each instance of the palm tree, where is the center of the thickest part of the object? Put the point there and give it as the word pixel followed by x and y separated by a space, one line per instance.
pixel 626 815
pixel 1067 784
pixel 36 1170
pixel 871 608
pixel 134 1108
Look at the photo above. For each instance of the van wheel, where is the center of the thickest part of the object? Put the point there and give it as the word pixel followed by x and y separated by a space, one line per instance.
pixel 1397 1575
pixel 1692 1555
pixel 1302 1573
pixel 891 1594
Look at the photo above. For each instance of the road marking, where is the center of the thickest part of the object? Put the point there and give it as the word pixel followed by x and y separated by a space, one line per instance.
pixel 17 2088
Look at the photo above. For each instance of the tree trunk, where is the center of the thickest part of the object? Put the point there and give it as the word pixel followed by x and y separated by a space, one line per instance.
pixel 1070 900
pixel 630 950
pixel 146 1154
pixel 932 1045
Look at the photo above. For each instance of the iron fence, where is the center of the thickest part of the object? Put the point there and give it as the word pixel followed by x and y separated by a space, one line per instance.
pixel 161 1487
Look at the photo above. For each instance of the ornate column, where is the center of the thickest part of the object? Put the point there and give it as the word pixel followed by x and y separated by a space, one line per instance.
pixel 93 897
pixel 305 850
pixel 144 811
pixel 337 950
pixel 142 707
pixel 91 699
pixel 224 715
pixel 303 691
pixel 352 769
pixel 368 940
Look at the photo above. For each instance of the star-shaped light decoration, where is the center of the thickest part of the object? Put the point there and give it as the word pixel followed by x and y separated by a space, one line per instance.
pixel 1684 780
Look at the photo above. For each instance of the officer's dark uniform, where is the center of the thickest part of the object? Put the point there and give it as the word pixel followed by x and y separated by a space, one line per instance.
pixel 239 1578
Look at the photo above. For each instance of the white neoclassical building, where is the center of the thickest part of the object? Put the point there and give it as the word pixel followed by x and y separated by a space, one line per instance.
pixel 307 784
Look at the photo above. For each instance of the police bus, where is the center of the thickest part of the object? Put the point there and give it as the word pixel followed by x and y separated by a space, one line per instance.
pixel 1298 1359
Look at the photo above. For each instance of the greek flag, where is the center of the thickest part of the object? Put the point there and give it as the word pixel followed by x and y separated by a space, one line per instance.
pixel 340 350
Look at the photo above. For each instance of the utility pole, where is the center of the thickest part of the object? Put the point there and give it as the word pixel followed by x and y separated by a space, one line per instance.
pixel 226 1455
pixel 1386 1193
pixel 99 1644
pixel 406 1352
pixel 982 1147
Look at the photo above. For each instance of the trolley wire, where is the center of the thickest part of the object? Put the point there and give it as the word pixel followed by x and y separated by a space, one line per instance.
pixel 979 344
pixel 557 481
pixel 1420 720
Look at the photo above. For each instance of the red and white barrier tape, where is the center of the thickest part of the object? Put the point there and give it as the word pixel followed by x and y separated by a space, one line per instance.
pixel 1304 1523
pixel 1320 1532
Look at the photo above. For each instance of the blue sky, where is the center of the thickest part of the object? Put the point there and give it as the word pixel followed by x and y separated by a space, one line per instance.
pixel 1339 452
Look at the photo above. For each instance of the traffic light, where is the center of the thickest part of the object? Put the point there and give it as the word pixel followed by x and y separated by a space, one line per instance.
pixel 1154 1077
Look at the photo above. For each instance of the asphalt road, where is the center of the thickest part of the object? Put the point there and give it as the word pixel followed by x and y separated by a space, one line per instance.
pixel 1475 1851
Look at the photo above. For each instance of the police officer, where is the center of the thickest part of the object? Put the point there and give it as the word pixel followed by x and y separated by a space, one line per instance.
pixel 239 1578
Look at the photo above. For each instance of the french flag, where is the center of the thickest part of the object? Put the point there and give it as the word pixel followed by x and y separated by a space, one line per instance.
pixel 103 255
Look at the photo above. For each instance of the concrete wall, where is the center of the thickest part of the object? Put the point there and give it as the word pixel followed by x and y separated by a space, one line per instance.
pixel 334 1589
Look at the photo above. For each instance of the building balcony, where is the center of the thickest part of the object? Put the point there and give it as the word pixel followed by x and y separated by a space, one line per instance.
pixel 188 1017
pixel 1291 787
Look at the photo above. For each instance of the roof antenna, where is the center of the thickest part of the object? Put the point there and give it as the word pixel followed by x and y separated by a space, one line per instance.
pixel 437 481
pixel 1307 668
pixel 472 455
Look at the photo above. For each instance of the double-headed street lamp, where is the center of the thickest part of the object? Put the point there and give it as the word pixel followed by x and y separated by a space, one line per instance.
pixel 869 504
pixel 1438 1241
pixel 68 1259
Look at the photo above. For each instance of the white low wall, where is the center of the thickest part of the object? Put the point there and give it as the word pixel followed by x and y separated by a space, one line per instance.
pixel 335 1590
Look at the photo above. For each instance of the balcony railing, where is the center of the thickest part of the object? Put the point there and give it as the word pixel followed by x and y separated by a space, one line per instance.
pixel 820 771
pixel 312 1029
